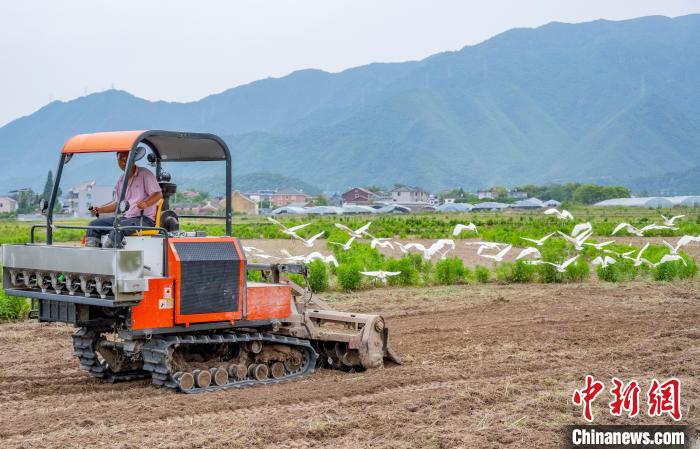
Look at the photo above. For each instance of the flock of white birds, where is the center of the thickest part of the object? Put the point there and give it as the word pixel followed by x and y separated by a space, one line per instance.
pixel 489 250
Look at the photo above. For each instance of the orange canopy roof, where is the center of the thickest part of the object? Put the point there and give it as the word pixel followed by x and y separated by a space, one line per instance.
pixel 115 141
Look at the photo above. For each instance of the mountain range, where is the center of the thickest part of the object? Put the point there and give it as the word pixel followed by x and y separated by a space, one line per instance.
pixel 603 101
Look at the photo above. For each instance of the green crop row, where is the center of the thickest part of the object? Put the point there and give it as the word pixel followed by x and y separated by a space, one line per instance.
pixel 506 227
pixel 415 271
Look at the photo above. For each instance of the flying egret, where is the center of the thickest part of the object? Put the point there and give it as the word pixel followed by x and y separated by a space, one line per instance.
pixel 563 215
pixel 430 251
pixel 578 240
pixel 460 227
pixel 357 233
pixel 603 261
pixel 318 256
pixel 681 242
pixel 638 232
pixel 539 242
pixel 581 227
pixel 381 275
pixel 638 259
pixel 382 243
pixel 500 255
pixel 670 258
pixel 669 221
pixel 601 245
pixel 346 246
pixel 561 267
pixel 309 243
pixel 289 231
pixel 531 251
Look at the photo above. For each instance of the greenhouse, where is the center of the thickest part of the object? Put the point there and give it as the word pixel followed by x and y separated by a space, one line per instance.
pixel 685 201
pixel 653 202
pixel 490 205
pixel 455 207
pixel 530 203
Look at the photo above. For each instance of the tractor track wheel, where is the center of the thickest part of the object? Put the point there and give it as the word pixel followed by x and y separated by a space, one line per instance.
pixel 220 376
pixel 184 380
pixel 277 370
pixel 258 371
pixel 202 378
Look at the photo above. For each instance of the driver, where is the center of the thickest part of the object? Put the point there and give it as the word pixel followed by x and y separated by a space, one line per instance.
pixel 142 193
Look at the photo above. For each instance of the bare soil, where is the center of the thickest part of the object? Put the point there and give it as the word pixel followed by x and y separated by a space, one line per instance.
pixel 485 366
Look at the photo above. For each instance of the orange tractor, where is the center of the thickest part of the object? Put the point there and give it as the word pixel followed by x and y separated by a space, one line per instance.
pixel 176 306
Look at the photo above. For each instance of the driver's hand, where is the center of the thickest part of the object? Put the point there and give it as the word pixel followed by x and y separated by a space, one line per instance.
pixel 94 211
pixel 142 205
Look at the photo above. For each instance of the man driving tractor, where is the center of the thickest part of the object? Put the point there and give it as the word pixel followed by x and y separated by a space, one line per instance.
pixel 142 193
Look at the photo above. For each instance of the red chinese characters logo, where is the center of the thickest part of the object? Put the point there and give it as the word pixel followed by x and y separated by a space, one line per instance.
pixel 624 399
pixel 663 398
pixel 587 395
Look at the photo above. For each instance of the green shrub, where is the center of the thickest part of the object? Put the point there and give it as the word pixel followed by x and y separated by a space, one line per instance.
pixel 254 275
pixel 426 272
pixel 361 254
pixel 297 279
pixel 482 274
pixel 689 271
pixel 13 308
pixel 409 275
pixel 523 272
pixel 611 273
pixel 549 274
pixel 449 271
pixel 349 277
pixel 504 272
pixel 318 276
pixel 665 272
pixel 578 271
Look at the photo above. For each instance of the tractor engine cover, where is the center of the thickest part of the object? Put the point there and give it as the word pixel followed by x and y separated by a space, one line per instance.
pixel 211 281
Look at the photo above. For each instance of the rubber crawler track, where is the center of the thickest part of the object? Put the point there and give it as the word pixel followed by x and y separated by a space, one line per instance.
pixel 156 350
pixel 84 341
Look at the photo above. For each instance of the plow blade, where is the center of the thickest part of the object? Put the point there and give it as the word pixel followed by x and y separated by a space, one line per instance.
pixel 351 340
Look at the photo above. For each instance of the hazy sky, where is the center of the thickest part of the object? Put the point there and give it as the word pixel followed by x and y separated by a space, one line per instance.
pixel 184 50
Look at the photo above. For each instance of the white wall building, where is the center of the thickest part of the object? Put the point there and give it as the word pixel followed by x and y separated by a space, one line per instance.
pixel 81 197
pixel 409 195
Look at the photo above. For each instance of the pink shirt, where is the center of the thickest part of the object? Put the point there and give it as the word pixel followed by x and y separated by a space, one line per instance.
pixel 142 185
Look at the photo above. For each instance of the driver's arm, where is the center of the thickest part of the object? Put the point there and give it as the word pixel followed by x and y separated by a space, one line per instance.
pixel 106 209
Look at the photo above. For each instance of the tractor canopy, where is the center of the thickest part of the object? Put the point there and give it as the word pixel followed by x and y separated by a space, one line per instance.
pixel 167 145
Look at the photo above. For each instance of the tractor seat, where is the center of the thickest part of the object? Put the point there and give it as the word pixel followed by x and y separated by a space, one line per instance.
pixel 157 224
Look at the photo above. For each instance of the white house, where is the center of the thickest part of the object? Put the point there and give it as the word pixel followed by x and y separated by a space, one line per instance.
pixel 81 197
pixel 410 195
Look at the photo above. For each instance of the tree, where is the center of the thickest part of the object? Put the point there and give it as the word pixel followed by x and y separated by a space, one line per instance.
pixel 48 188
pixel 591 193
pixel 320 200
pixel 26 201
pixel 499 192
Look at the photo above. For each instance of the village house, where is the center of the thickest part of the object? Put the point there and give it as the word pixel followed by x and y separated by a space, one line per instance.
pixel 288 196
pixel 485 194
pixel 7 204
pixel 517 194
pixel 241 204
pixel 358 195
pixel 410 195
pixel 80 198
